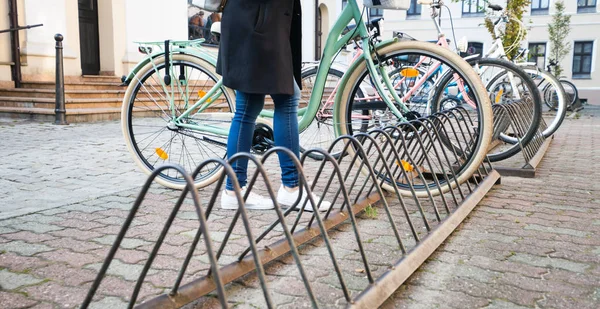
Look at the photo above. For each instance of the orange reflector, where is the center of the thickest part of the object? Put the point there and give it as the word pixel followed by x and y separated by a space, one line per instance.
pixel 201 94
pixel 406 166
pixel 409 72
pixel 162 154
pixel 499 95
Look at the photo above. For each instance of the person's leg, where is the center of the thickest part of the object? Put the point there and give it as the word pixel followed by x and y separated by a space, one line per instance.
pixel 285 126
pixel 247 109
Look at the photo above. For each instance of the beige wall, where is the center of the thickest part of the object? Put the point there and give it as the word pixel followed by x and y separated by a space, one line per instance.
pixel 38 45
pixel 121 22
pixel 5 55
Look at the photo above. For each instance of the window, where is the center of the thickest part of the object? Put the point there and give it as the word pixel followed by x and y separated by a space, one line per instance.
pixel 473 48
pixel 537 54
pixel 539 7
pixel 586 6
pixel 473 7
pixel 375 12
pixel 582 59
pixel 415 10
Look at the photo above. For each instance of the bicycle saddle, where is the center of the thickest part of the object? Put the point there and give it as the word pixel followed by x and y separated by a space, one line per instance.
pixel 495 7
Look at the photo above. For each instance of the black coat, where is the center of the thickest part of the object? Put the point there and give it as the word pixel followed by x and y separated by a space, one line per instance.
pixel 260 47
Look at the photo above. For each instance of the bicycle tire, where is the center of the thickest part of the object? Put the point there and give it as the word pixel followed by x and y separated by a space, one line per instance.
pixel 320 133
pixel 452 60
pixel 571 92
pixel 553 90
pixel 167 144
pixel 532 90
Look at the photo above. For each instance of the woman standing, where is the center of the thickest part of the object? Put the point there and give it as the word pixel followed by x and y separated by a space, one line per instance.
pixel 260 54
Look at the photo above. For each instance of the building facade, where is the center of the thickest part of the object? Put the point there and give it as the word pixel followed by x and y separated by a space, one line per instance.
pixel 579 66
pixel 99 35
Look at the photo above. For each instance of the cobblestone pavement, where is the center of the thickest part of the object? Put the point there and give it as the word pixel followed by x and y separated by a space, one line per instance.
pixel 530 243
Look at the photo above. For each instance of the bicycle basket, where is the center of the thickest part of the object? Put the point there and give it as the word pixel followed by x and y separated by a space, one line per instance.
pixel 212 5
pixel 388 4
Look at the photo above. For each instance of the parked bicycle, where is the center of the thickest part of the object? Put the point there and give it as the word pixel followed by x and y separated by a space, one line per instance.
pixel 570 90
pixel 177 110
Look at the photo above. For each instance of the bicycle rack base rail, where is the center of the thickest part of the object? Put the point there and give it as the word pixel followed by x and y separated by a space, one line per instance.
pixel 411 161
pixel 388 283
pixel 529 168
pixel 532 153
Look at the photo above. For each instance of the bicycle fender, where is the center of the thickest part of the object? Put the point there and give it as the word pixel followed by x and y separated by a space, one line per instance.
pixel 207 56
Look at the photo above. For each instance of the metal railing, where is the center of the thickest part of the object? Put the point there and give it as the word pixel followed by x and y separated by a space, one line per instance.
pixel 395 169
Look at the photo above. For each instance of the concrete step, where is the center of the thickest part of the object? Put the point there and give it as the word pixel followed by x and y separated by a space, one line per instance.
pixel 101 78
pixel 74 85
pixel 73 116
pixel 69 94
pixel 51 103
pixel 80 111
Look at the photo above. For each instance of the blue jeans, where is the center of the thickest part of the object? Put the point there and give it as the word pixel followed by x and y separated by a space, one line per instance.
pixel 285 126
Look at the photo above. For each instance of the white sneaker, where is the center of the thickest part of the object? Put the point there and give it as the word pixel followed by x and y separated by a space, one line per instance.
pixel 254 201
pixel 286 199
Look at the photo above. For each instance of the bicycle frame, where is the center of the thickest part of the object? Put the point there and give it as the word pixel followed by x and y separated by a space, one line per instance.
pixel 350 13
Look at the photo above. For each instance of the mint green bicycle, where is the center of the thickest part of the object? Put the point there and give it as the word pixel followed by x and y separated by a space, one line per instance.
pixel 176 109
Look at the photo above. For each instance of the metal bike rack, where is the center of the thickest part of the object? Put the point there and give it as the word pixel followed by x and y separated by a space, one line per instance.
pixel 517 116
pixel 410 161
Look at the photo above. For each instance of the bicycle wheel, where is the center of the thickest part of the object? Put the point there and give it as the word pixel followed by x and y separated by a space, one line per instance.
pixel 570 91
pixel 554 96
pixel 320 133
pixel 380 116
pixel 152 133
pixel 505 82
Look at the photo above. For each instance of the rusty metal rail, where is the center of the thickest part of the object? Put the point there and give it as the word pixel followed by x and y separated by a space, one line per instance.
pixel 409 171
pixel 517 117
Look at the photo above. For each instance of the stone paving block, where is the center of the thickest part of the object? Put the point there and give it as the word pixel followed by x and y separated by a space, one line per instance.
pixel 109 302
pixel 77 234
pixel 6 230
pixel 15 300
pixel 127 243
pixel 556 230
pixel 113 286
pixel 502 304
pixel 129 272
pixel 72 258
pixel 24 248
pixel 83 208
pixel 38 227
pixel 549 262
pixel 40 218
pixel 69 275
pixel 11 281
pixel 54 211
pixel 19 263
pixel 29 237
pixel 73 223
pixel 10 222
pixel 73 244
pixel 67 297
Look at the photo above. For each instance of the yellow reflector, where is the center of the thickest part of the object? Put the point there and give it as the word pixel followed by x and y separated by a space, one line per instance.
pixel 409 72
pixel 406 166
pixel 499 95
pixel 162 154
pixel 201 94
